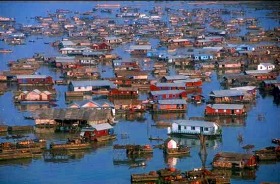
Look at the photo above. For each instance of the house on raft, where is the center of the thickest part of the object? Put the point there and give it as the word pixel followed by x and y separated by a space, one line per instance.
pixel 100 104
pixel 193 128
pixel 34 80
pixel 66 119
pixel 98 133
pixel 34 96
pixel 225 110
pixel 235 161
pixel 167 94
pixel 93 86
pixel 229 96
pixel 170 105
pixel 167 86
pixel 124 92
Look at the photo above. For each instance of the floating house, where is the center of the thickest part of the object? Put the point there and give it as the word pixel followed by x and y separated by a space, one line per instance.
pixel 261 75
pixel 101 104
pixel 229 160
pixel 139 49
pixel 225 110
pixel 91 85
pixel 227 96
pixel 168 94
pixel 36 80
pixel 170 105
pixel 99 132
pixel 34 96
pixel 194 128
pixel 266 66
pixel 128 92
pixel 167 86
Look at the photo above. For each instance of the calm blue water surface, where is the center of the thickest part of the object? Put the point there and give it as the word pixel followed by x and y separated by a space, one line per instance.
pixel 96 166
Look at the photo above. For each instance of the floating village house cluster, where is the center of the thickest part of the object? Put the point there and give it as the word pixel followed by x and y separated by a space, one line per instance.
pixel 195 42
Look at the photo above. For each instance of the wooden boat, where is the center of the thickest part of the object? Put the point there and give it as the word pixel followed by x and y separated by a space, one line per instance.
pixel 5 51
pixel 145 177
pixel 268 153
pixel 75 144
pixel 181 150
pixel 16 154
pixel 276 141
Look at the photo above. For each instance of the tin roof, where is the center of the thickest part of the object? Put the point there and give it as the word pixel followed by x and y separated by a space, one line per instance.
pixel 163 92
pixel 31 76
pixel 227 92
pixel 226 106
pixel 99 102
pixel 95 83
pixel 159 84
pixel 86 114
pixel 140 47
pixel 176 77
pixel 172 101
pixel 103 126
pixel 196 123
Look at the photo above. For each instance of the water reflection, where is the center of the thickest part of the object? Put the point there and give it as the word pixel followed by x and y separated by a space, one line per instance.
pixel 244 174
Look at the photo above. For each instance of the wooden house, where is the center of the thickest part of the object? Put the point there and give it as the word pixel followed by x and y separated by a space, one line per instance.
pixel 139 49
pixel 167 86
pixel 91 85
pixel 268 85
pixel 129 105
pixel 227 96
pixel 170 105
pixel 194 128
pixel 71 116
pixel 167 94
pixel 38 80
pixel 225 110
pixel 229 64
pixel 113 40
pixel 172 78
pixel 230 160
pixel 238 80
pixel 82 73
pixel 99 132
pixel 179 43
pixel 94 104
pixel 34 96
pixel 261 75
pixel 65 62
pixel 193 82
pixel 129 92
pixel 266 66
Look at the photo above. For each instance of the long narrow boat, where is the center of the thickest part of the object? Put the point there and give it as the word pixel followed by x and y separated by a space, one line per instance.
pixel 75 144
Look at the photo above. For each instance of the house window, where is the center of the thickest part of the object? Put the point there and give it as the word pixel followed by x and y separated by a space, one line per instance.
pixel 216 110
pixel 192 128
pixel 206 129
pixel 225 110
pixel 237 110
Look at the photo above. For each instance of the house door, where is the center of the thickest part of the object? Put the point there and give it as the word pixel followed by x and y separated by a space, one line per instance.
pixel 232 111
pixel 201 129
pixel 179 127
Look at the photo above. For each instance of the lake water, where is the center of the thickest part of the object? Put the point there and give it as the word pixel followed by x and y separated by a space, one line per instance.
pixel 97 166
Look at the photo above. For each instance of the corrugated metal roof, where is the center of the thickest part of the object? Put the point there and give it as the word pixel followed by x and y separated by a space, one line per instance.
pixel 226 106
pixel 176 77
pixel 246 88
pixel 96 83
pixel 31 76
pixel 103 126
pixel 187 80
pixel 163 92
pixel 159 84
pixel 227 92
pixel 172 101
pixel 196 123
pixel 140 47
pixel 86 114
